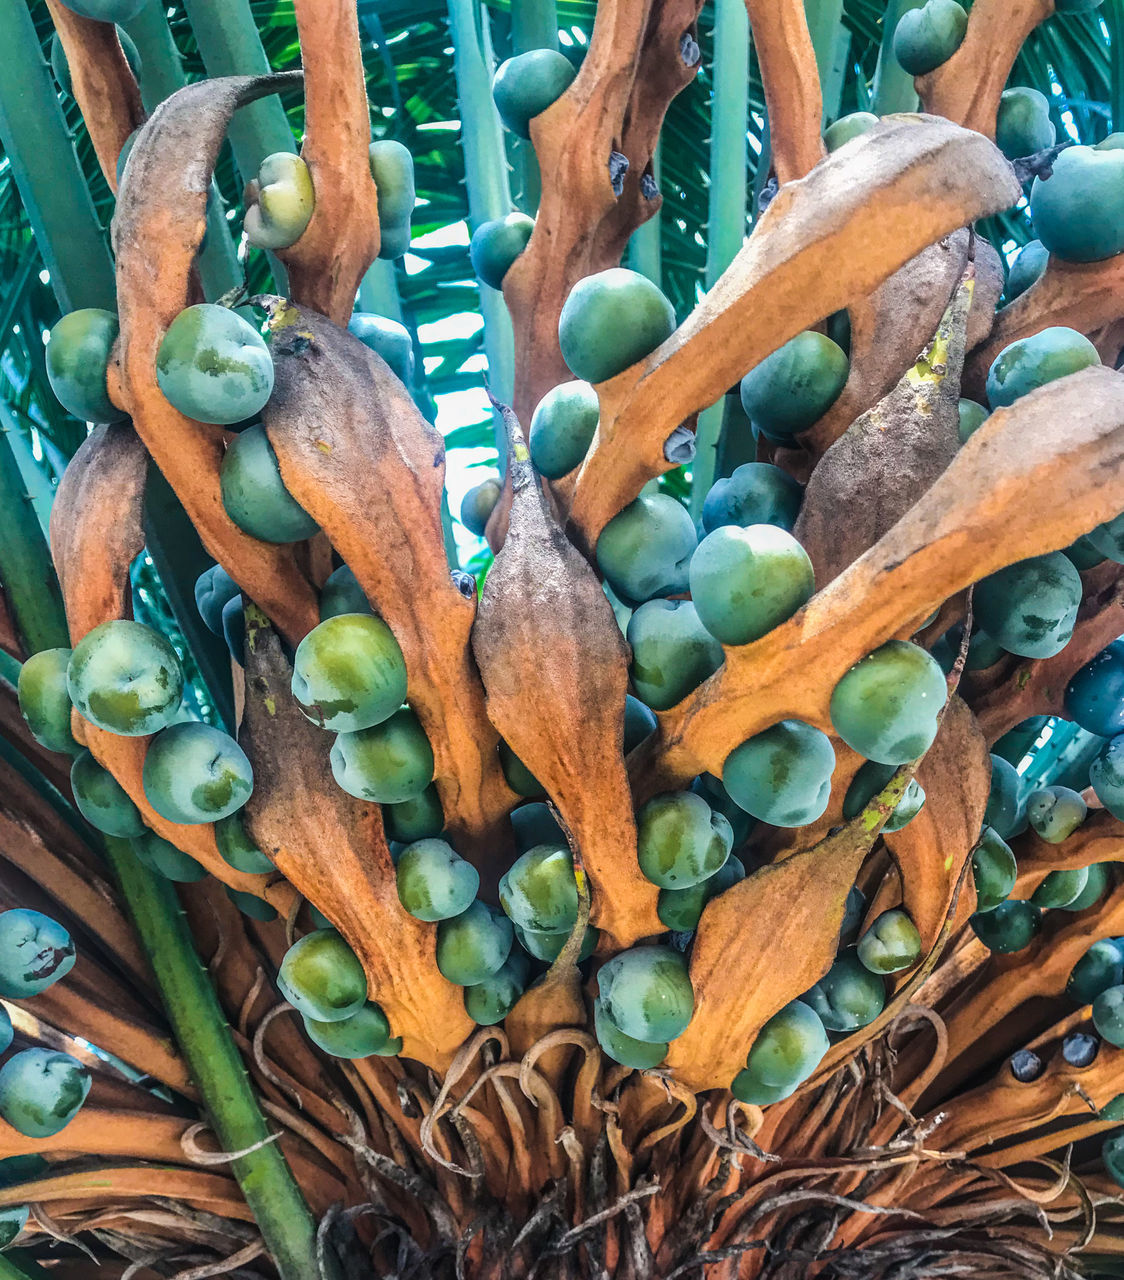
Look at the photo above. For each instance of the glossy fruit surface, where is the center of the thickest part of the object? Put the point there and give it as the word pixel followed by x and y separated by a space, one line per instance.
pixel 41 1091
pixel 249 905
pixel 1106 775
pixel 434 881
pixel 788 1048
pixel 77 358
pixel 562 428
pixel 214 366
pixel 1023 125
pixel 496 244
pixel 886 706
pixel 1108 1016
pixel 869 781
pixel 720 800
pixel 518 777
pixel 238 847
pixel 926 37
pixel 418 819
pixel 478 504
pixel 533 825
pixel 1060 888
pixel 680 840
pixel 44 701
pixel 746 581
pixel 1094 697
pixel 1030 363
pixel 349 673
pixel 891 943
pixel 1054 814
pixel 681 909
pixel 795 386
pixel 647 994
pixel 387 338
pixel 1026 269
pixel 35 951
pixel 645 550
pixel 524 86
pixel 1031 606
pixel 284 204
pixel 474 945
pixel 7 1035
pixel 254 495
pixel 547 947
pixel 392 167
pixel 640 1055
pixel 972 417
pixel 672 652
pixel 848 127
pixel 1004 810
pixel 1101 967
pixel 490 1001
pixel 611 320
pixel 539 891
pixel 1009 927
pixel 783 775
pixel 848 996
pixel 166 860
pixel 390 762
pixel 754 493
pixel 994 870
pixel 102 800
pixel 196 773
pixel 234 629
pixel 639 723
pixel 214 589
pixel 321 977
pixel 1079 211
pixel 363 1034
pixel 1096 886
pixel 125 678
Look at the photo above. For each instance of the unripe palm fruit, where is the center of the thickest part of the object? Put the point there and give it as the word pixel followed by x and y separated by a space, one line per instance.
pixel 283 201
pixel 1009 927
pixel 1023 125
pixel 562 429
pixel 1030 607
pixel 77 359
pixel 1108 539
pixel 41 1091
pixel 891 943
pixel 848 127
pixel 534 824
pixel 848 996
pixel 341 593
pixel 392 167
pixel 1027 268
pixel 645 550
pixel 35 952
pixel 214 366
pixel 646 993
pixel 195 773
pixel 1100 968
pixel 349 673
pixel 547 947
pixel 214 589
pixel 388 339
pixel 540 892
pixel 640 1055
pixel 518 777
pixel 1094 697
pixel 102 800
pixel 926 37
pixel 972 417
pixel 755 493
pixel 1096 886
pixel 788 1048
pixel 434 881
pixel 490 1001
pixel 994 870
pixel 496 244
pixel 44 701
pixel 1030 363
pixel 680 840
pixel 610 320
pixel 1054 814
pixel 524 86
pixel 783 775
pixel 1079 211
pixel 322 978
pixel 672 652
pixel 234 629
pixel 1060 888
pixel 421 818
pixel 479 503
pixel 474 945
pixel 362 1035
pixel 1106 774
pixel 869 781
pixel 681 909
pixel 639 723
pixel 237 847
pixel 795 386
pixel 162 857
pixel 1084 554
pixel 886 706
pixel 254 495
pixel 390 762
pixel 125 678
pixel 1108 1016
pixel 1005 810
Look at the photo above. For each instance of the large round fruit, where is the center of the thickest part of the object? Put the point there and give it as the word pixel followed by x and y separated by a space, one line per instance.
pixel 102 800
pixel 284 203
pixel 361 1035
pixel 610 320
pixel 390 762
pixel 848 127
pixel 322 978
pixel 869 781
pixel 1094 697
pixel 1106 774
pixel 44 701
pixel 474 945
pixel 517 776
pixel 77 360
pixel 640 1055
pixel 1009 927
pixel 388 339
pixel 214 366
pixel 886 706
pixel 994 870
pixel 534 824
pixel 926 37
pixel 754 493
pixel 1097 883
pixel 720 800
pixel 421 818
pixel 1030 363
pixel 1023 125
pixel 195 773
pixel 434 881
pixel 972 417
pixel 1030 607
pixel 1108 1016
pixel 680 840
pixel 1101 967
pixel 490 1001
pixel 1060 888
pixel 125 678
pixel 848 996
pixel 478 504
pixel 496 244
pixel 645 550
pixel 681 909
pixel 162 857
pixel 524 86
pixel 795 386
pixel 214 589
pixel 41 1091
pixel 1079 211
pixel 1054 814
pixel 341 593
pixel 1027 269
pixel 746 581
pixel 539 891
pixel 783 775
pixel 672 652
pixel 562 428
pixel 646 993
pixel 237 847
pixel 1005 810
pixel 392 167
pixel 254 495
pixel 788 1048
pixel 891 943
pixel 349 673
pixel 35 951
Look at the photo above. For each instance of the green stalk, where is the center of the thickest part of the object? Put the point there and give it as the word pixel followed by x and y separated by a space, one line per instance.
pixel 825 21
pixel 378 291
pixel 644 253
pixel 39 492
pixel 893 88
pixel 534 25
pixel 835 76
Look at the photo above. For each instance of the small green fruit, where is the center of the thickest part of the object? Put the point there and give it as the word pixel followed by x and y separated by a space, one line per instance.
pixel 891 944
pixel 478 504
pixel 42 1091
pixel 1023 125
pixel 392 167
pixel 388 339
pixel 848 127
pixel 783 775
pixel 1027 268
pixel 562 429
pixel 125 678
pixel 1054 814
pixel 390 762
pixel 102 800
pixel 926 37
pixel 524 86
pixel 645 550
pixel 646 993
pixel 282 204
pixel 886 706
pixel 213 366
pixel 361 1035
pixel 44 701
pixel 755 493
pixel 434 881
pixel 672 652
pixel 254 495
pixel 795 386
pixel 238 848
pixel 610 321
pixel 1030 363
pixel 77 360
pixel 680 840
pixel 1030 607
pixel 349 673
pixel 1079 211
pixel 496 244
pixel 322 978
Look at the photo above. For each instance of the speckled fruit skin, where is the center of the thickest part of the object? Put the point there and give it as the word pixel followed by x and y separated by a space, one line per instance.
pixel 539 891
pixel 1023 125
pixel 195 773
pixel 1004 810
pixel 783 775
pixel 490 1001
pixel 886 706
pixel 162 857
pixel 321 977
pixel 390 762
pixel 848 996
pixel 77 359
pixel 681 909
pixel 421 818
pixel 972 417
pixel 1079 212
pixel 102 800
pixel 754 493
pixel 1060 888
pixel 1108 1016
pixel 474 945
pixel 646 993
pixel 926 37
pixel 349 673
pixel 1100 968
pixel 44 701
pixel 1108 539
pixel 611 320
pixel 213 366
pixel 680 840
pixel 1011 926
pixel 891 944
pixel 1030 363
pixel 1106 774
pixel 387 338
pixel 35 952
pixel 672 652
pixel 284 205
pixel 848 127
pixel 562 428
pixel 41 1091
pixel 524 86
pixel 496 244
pixel 869 781
pixel 788 1048
pixel 214 589
pixel 362 1035
pixel 434 881
pixel 994 870
pixel 640 1055
pixel 746 581
pixel 795 386
pixel 125 678
pixel 479 503
pixel 254 495
pixel 1027 268
pixel 1054 814
pixel 392 167
pixel 645 550
pixel 238 848
pixel 1030 607
pixel 341 593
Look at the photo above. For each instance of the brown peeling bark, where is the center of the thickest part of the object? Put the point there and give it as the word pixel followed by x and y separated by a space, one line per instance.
pixel 792 85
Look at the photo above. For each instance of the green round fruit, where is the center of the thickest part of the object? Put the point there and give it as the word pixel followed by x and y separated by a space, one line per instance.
pixel 1004 810
pixel 214 589
pixel 321 977
pixel 783 775
pixel 234 629
pixel 102 800
pixel 1106 774
pixel 341 593
pixel 524 86
pixel 363 1034
pixel 283 203
pixel 646 993
pixel 1060 888
pixel 195 773
pixel 1112 1157
pixel 547 947
pixel 795 386
pixel 927 37
pixel 639 723
pixel 972 417
pixel 77 357
pixel 754 493
pixel 1009 927
pixel 421 818
pixel 1078 211
pixel 490 1001
pixel 869 781
pixel 1027 268
pixel 1030 607
pixel 788 1048
pixel 1084 553
pixel 392 167
pixel 848 996
pixel 434 881
pixel 746 581
pixel 562 428
pixel 162 857
pixel 1096 886
pixel 1023 125
pixel 44 701
pixel 640 1055
pixel 680 840
pixel 214 366
pixel 611 320
pixel 1100 968
pixel 1094 697
pixel 645 550
pixel 1108 540
pixel 125 678
pixel 254 495
pixel 473 946
pixel 983 651
pixel 1054 814
pixel 848 127
pixel 496 244
pixel 250 905
pixel 478 504
pixel 854 913
pixel 886 706
pixel 518 777
pixel 238 848
pixel 533 825
pixel 41 1091
pixel 891 944
pixel 349 673
pixel 35 952
pixel 1032 362
pixel 672 652
pixel 7 1035
pixel 388 339
pixel 994 870
pixel 1108 1017
pixel 389 763
pixel 681 909
pixel 720 800
pixel 539 891
pixel 748 1089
